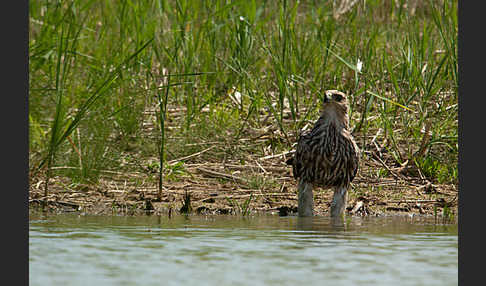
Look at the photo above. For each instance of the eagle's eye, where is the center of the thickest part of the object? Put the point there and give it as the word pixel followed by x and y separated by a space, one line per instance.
pixel 337 97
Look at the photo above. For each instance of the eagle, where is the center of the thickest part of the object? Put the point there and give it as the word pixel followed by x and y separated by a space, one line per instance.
pixel 326 156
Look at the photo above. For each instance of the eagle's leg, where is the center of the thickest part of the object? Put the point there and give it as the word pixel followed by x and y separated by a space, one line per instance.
pixel 338 204
pixel 306 200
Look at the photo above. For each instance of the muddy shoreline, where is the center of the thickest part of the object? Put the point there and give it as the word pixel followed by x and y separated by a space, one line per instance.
pixel 217 189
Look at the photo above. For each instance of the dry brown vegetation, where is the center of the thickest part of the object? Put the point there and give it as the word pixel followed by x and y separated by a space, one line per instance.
pixel 222 186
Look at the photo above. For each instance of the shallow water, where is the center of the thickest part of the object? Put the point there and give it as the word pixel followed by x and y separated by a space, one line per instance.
pixel 229 250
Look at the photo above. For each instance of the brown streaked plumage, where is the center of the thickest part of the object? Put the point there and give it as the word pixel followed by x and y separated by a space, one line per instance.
pixel 326 156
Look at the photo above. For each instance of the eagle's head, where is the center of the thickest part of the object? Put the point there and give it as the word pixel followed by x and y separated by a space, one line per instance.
pixel 335 107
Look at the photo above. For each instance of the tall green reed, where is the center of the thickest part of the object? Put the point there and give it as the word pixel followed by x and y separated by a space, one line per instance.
pixel 280 55
pixel 63 125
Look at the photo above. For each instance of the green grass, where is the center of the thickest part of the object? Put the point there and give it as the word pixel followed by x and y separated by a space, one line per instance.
pixel 97 69
pixel 242 209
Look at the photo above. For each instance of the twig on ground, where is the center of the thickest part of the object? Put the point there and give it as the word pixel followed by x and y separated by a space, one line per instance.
pixel 267 168
pixel 411 201
pixel 264 171
pixel 286 195
pixel 276 156
pixel 398 177
pixel 357 206
pixel 171 162
pixel 215 174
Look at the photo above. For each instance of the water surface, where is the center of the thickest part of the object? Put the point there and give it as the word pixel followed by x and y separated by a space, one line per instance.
pixel 229 250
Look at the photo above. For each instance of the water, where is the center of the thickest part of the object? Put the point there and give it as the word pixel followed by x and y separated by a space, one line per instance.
pixel 227 250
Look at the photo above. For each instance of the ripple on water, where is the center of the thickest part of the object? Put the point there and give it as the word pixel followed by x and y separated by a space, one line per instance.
pixel 269 251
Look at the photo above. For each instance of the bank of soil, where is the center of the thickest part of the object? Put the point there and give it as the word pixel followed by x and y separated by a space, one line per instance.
pixel 264 186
